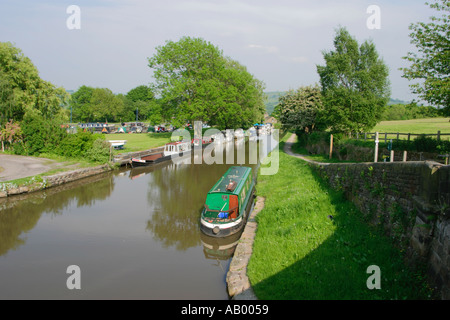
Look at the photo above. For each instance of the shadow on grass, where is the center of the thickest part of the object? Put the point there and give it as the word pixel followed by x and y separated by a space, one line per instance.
pixel 337 267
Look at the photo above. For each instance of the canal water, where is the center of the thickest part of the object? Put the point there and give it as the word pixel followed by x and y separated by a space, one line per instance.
pixel 133 234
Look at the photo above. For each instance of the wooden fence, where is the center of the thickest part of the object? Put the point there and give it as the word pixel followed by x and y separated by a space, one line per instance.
pixel 387 136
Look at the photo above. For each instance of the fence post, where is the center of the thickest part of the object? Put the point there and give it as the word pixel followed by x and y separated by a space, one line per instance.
pixel 376 147
pixel 398 136
pixel 439 136
pixel 331 146
pixel 405 155
pixel 409 136
pixel 385 137
pixel 391 158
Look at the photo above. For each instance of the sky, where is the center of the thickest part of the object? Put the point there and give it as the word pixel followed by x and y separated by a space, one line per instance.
pixel 280 42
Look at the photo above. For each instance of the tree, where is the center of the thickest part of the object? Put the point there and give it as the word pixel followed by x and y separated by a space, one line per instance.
pixel 196 82
pixel 81 104
pixel 96 104
pixel 141 102
pixel 431 65
pixel 106 106
pixel 22 88
pixel 8 108
pixel 10 133
pixel 299 110
pixel 354 83
pixel 140 93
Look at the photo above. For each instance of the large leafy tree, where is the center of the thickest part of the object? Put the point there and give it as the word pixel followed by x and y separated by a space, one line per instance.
pixel 354 83
pixel 96 104
pixel 431 64
pixel 22 90
pixel 299 110
pixel 196 82
pixel 106 106
pixel 80 103
pixel 140 103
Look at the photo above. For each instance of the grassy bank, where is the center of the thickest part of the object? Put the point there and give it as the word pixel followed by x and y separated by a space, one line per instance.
pixel 140 141
pixel 311 243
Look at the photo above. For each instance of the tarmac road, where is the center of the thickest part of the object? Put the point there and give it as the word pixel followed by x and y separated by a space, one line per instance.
pixel 15 167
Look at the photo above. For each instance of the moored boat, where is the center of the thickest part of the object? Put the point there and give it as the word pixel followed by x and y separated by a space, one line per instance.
pixel 172 150
pixel 228 203
pixel 202 142
pixel 150 159
pixel 178 148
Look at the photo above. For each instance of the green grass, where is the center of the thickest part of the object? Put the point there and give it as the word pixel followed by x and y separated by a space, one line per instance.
pixel 417 126
pixel 300 253
pixel 140 141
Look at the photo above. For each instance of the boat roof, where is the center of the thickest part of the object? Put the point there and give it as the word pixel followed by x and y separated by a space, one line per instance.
pixel 177 142
pixel 237 174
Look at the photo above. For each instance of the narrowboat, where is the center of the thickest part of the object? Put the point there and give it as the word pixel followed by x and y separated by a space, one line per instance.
pixel 171 150
pixel 201 142
pixel 228 203
pixel 180 148
pixel 148 160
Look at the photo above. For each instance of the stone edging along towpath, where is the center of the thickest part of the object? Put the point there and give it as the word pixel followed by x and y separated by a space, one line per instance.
pixel 239 287
pixel 55 180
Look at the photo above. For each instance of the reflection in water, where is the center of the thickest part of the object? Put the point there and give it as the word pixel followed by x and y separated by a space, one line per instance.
pixel 136 237
pixel 19 215
pixel 176 194
pixel 219 248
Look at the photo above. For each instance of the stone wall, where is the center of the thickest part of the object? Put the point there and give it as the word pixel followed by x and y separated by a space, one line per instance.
pixel 410 201
pixel 54 180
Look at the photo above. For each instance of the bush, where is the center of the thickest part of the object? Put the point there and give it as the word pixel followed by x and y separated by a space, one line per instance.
pixel 40 135
pixel 99 152
pixel 76 145
pixel 46 136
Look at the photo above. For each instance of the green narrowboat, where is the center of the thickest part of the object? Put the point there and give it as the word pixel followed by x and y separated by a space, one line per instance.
pixel 228 203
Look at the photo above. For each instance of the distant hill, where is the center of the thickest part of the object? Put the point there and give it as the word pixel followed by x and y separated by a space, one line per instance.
pixel 397 101
pixel 272 100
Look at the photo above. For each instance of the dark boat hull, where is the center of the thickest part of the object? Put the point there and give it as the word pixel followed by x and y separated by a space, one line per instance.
pixel 149 160
pixel 156 158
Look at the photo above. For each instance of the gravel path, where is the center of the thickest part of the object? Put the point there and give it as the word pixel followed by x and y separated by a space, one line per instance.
pixel 15 167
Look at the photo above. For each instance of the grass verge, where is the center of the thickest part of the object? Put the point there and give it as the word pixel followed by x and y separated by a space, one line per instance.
pixel 312 244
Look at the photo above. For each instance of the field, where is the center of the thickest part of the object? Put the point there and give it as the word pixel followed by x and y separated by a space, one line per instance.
pixel 417 126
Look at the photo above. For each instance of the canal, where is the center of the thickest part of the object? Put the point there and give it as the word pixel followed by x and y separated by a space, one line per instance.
pixel 133 233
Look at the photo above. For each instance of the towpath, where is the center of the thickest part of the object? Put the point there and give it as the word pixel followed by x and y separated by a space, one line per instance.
pixel 288 149
pixel 15 167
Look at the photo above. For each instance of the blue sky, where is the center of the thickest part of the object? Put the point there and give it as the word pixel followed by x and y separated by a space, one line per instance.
pixel 280 42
